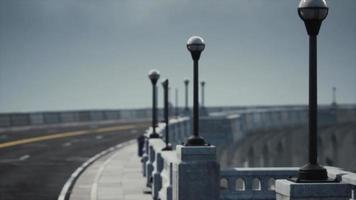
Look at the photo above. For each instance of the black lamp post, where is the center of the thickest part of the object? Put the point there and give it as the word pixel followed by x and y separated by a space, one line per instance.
pixel 153 75
pixel 334 97
pixel 312 12
pixel 186 83
pixel 176 107
pixel 165 84
pixel 202 94
pixel 195 45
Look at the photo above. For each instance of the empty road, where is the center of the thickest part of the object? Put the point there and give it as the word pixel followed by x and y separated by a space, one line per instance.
pixel 34 165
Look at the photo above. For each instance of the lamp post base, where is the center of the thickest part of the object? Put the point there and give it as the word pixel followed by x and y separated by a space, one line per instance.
pixel 167 148
pixel 195 141
pixel 154 135
pixel 312 173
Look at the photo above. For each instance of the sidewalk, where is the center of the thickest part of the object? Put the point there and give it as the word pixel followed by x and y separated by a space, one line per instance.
pixel 117 175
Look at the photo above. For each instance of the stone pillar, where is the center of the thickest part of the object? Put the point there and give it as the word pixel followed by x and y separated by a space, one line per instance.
pixel 168 157
pixel 157 178
pixel 288 190
pixel 150 161
pixel 158 145
pixel 196 173
pixel 144 158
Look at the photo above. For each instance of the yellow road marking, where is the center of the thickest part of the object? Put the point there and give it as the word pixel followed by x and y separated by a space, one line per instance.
pixel 63 135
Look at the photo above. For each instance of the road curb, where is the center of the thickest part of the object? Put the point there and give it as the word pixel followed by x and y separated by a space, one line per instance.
pixel 68 186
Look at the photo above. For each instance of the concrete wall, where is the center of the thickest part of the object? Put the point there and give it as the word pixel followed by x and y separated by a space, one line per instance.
pixel 289 147
pixel 45 118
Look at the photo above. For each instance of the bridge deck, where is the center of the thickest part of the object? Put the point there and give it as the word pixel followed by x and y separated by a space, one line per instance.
pixel 115 176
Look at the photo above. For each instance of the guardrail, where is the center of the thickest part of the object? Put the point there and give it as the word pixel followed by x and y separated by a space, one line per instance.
pixel 161 168
pixel 255 116
pixel 252 183
pixel 49 118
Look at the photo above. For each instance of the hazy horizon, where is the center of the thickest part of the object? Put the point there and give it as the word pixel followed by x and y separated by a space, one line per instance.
pixel 87 54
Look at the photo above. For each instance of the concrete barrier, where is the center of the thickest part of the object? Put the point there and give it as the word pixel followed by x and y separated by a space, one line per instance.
pixel 68 117
pixel 5 120
pixel 173 174
pixel 36 119
pixel 20 119
pixel 52 118
pixel 111 115
pixel 96 115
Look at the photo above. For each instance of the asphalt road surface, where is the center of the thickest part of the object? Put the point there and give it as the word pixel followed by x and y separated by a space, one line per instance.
pixel 34 165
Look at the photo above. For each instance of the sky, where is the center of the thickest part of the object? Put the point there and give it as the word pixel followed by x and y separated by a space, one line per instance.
pixel 95 54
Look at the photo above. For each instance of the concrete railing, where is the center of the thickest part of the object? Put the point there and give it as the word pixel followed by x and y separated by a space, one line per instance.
pixel 262 119
pixel 259 183
pixel 8 120
pixel 254 117
pixel 164 170
pixel 222 129
pixel 161 168
pixel 252 183
pixel 344 177
pixel 235 183
pixel 179 130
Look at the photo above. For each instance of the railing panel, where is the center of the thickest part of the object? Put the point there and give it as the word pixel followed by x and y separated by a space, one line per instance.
pixel 252 183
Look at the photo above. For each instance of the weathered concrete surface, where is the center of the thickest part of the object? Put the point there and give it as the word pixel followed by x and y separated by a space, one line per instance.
pixel 273 148
pixel 196 175
pixel 117 176
pixel 288 190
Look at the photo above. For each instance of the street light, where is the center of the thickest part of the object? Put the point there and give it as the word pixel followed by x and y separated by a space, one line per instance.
pixel 334 97
pixel 186 83
pixel 203 110
pixel 176 107
pixel 202 93
pixel 153 75
pixel 165 84
pixel 195 45
pixel 312 12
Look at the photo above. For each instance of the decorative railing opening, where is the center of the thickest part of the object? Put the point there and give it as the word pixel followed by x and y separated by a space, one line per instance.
pixel 240 184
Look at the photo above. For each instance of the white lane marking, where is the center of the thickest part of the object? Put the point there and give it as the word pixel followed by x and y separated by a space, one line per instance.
pixel 75 175
pixel 67 144
pixel 24 157
pixel 9 160
pixel 99 137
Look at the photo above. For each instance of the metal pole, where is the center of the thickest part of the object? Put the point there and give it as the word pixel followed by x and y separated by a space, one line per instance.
pixel 203 94
pixel 176 99
pixel 186 95
pixel 334 96
pixel 166 115
pixel 154 109
pixel 166 120
pixel 196 99
pixel 313 105
pixel 313 171
pixel 170 100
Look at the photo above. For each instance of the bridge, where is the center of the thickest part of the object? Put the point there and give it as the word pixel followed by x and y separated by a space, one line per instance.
pixel 254 148
pixel 295 152
pixel 251 148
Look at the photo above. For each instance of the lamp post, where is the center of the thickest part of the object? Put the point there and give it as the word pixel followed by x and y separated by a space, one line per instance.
pixel 165 84
pixel 195 45
pixel 334 97
pixel 203 110
pixel 312 12
pixel 153 75
pixel 202 94
pixel 176 108
pixel 186 83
